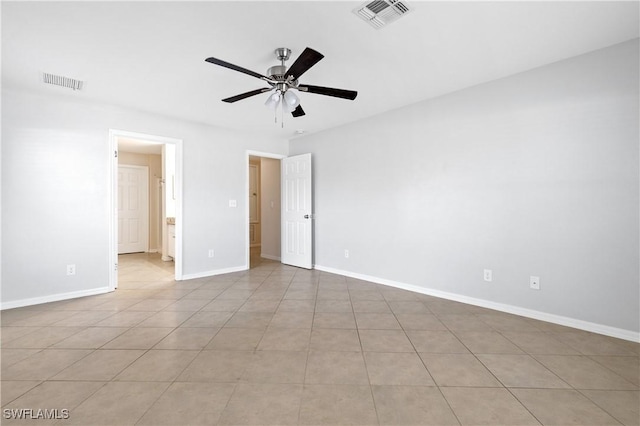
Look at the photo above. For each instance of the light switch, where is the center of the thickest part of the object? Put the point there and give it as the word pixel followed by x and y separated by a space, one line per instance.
pixel 233 203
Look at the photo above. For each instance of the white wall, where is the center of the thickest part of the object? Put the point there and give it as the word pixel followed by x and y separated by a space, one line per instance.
pixel 535 174
pixel 270 209
pixel 55 167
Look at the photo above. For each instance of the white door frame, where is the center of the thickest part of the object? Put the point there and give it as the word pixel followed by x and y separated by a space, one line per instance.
pixel 114 134
pixel 250 153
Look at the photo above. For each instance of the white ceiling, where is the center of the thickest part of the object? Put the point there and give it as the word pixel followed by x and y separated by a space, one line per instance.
pixel 150 55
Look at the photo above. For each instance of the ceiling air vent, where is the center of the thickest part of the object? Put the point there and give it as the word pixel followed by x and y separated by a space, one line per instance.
pixel 58 80
pixel 379 13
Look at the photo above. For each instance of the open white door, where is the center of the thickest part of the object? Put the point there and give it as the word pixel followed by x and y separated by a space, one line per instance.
pixel 297 223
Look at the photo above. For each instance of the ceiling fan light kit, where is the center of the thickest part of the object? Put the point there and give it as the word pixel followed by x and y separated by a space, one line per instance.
pixel 291 101
pixel 282 81
pixel 273 100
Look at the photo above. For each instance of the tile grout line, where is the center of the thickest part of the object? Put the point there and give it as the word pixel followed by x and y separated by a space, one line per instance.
pixel 364 360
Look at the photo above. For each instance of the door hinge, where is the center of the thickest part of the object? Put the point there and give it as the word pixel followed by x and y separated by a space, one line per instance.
pixel 115 267
pixel 115 154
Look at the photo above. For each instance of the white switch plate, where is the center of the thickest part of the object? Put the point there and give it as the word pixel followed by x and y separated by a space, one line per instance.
pixel 346 254
pixel 233 203
pixel 488 275
pixel 71 269
pixel 211 253
pixel 534 282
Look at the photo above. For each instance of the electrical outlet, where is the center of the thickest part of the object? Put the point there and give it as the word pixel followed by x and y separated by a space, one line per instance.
pixel 346 254
pixel 211 253
pixel 71 269
pixel 488 275
pixel 233 203
pixel 534 282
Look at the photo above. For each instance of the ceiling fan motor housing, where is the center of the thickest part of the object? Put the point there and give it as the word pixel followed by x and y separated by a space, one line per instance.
pixel 277 72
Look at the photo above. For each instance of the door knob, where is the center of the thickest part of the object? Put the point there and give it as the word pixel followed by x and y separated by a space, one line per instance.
pixel 306 216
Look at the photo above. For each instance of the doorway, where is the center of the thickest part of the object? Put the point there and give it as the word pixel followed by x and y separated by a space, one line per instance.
pixel 161 158
pixel 263 208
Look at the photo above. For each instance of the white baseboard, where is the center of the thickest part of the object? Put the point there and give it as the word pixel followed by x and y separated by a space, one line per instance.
pixel 529 313
pixel 270 257
pixel 214 272
pixel 53 298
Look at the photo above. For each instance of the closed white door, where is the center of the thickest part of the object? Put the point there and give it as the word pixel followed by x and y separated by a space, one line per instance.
pixel 133 209
pixel 297 223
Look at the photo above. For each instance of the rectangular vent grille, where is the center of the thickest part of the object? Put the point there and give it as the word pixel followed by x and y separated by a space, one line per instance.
pixel 377 6
pixel 402 8
pixel 58 80
pixel 379 13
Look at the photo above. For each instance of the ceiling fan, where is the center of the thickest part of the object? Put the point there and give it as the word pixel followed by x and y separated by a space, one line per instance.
pixel 283 81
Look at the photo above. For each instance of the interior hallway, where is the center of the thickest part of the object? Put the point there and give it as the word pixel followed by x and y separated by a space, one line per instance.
pixel 142 268
pixel 281 345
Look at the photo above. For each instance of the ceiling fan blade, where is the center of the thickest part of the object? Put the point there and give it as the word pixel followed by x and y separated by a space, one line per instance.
pixel 245 95
pixel 306 60
pixel 298 112
pixel 225 64
pixel 329 91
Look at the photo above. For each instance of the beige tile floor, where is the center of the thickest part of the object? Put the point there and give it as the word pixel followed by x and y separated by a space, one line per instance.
pixel 280 345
